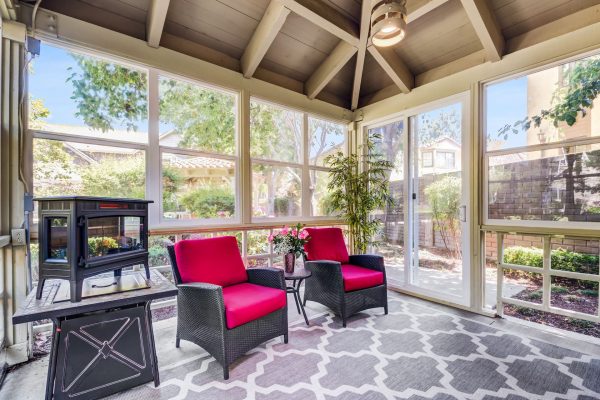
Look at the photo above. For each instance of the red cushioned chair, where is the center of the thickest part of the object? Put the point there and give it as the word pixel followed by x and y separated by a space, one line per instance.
pixel 221 306
pixel 346 284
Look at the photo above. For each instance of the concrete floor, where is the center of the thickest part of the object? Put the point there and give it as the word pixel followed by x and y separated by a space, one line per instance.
pixel 27 382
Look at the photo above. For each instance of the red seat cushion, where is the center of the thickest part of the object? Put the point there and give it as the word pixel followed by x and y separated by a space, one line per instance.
pixel 356 277
pixel 246 302
pixel 216 260
pixel 326 244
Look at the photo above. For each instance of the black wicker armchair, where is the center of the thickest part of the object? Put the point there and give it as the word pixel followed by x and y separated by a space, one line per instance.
pixel 222 307
pixel 345 284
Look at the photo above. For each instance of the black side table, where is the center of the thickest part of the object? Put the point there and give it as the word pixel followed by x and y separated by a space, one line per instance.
pixel 103 344
pixel 296 278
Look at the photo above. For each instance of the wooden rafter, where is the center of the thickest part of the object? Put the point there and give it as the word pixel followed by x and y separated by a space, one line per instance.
pixel 263 37
pixel 417 9
pixel 157 14
pixel 365 24
pixel 393 65
pixel 486 27
pixel 327 18
pixel 329 68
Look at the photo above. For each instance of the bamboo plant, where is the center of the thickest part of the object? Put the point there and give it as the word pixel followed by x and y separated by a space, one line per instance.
pixel 358 186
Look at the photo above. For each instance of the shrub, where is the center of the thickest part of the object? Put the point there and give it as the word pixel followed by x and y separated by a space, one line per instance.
pixel 209 202
pixel 535 295
pixel 589 292
pixel 157 251
pixel 561 259
pixel 559 289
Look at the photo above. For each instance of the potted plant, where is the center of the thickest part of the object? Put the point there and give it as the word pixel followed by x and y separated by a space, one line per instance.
pixel 359 186
pixel 290 243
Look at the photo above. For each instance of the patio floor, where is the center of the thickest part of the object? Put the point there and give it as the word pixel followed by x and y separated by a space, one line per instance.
pixel 420 350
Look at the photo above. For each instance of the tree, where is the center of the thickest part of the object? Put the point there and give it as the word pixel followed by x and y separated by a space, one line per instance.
pixel 443 196
pixel 108 94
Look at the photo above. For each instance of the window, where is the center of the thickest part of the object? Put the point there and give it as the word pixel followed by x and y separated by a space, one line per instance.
pixel 198 152
pixel 89 121
pixel 80 95
pixel 427 159
pixel 289 180
pixel 538 172
pixel 445 159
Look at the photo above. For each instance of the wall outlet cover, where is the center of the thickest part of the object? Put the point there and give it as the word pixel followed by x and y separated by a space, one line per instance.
pixel 18 237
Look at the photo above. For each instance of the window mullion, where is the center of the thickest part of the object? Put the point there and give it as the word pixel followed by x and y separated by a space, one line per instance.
pixel 306 197
pixel 153 162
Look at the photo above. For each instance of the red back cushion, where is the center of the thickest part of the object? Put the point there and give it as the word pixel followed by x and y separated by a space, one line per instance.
pixel 326 244
pixel 216 260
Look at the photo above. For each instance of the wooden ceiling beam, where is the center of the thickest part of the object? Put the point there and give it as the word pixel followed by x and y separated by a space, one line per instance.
pixel 393 65
pixel 483 20
pixel 268 27
pixel 157 14
pixel 423 7
pixel 365 25
pixel 327 18
pixel 329 68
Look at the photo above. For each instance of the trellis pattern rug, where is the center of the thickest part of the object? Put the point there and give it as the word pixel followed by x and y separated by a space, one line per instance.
pixel 413 353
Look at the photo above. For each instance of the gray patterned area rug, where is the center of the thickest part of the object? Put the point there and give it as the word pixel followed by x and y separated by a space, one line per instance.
pixel 413 353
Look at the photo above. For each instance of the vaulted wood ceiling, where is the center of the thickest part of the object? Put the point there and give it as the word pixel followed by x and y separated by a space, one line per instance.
pixel 321 47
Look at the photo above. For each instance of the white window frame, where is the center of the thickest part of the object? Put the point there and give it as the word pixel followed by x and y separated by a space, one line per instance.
pixel 431 161
pixel 303 166
pixel 556 226
pixel 235 157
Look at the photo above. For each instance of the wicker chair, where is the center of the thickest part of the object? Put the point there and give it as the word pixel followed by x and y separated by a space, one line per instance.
pixel 346 284
pixel 222 307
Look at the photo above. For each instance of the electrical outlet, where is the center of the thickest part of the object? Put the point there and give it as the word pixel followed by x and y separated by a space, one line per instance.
pixel 18 237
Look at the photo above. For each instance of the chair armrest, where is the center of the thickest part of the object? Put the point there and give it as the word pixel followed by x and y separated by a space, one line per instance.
pixel 270 277
pixel 201 303
pixel 369 261
pixel 328 272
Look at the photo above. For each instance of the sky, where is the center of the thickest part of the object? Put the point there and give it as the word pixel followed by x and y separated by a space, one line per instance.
pixel 506 104
pixel 506 101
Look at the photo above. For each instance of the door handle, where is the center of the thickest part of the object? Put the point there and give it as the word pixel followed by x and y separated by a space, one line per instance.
pixel 462 213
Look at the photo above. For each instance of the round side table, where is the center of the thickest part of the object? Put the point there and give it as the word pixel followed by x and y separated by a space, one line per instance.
pixel 296 278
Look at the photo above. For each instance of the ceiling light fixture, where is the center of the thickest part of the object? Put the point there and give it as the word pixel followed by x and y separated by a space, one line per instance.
pixel 388 22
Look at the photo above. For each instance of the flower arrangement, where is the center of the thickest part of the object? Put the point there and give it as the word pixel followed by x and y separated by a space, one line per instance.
pixel 290 240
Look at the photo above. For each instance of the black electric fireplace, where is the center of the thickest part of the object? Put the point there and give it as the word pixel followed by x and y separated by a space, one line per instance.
pixel 81 236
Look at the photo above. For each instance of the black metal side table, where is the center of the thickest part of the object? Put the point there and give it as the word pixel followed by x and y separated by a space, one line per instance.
pixel 296 278
pixel 103 344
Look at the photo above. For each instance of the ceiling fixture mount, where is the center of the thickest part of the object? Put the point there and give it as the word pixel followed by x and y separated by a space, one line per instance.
pixel 388 22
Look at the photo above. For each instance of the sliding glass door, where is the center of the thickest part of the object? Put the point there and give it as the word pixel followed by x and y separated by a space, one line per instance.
pixel 438 203
pixel 424 236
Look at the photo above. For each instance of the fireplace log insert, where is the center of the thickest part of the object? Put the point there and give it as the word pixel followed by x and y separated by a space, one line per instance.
pixel 81 236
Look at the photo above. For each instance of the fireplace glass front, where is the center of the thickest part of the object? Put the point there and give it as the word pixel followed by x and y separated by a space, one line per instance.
pixel 57 239
pixel 114 235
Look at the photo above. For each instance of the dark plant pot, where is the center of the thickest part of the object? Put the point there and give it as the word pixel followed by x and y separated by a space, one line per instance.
pixel 289 260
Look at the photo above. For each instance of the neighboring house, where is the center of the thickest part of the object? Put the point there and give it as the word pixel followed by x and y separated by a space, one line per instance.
pixel 441 156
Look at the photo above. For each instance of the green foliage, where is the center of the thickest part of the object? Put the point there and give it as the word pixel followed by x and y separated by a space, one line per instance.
pixel 561 259
pixel 589 292
pixel 358 185
pixel 536 295
pixel 115 177
pixel 528 256
pixel 444 198
pixel 209 202
pixel 157 251
pixel 205 118
pixel 100 245
pixel 171 181
pixel 559 289
pixel 581 323
pixel 570 101
pixel 108 94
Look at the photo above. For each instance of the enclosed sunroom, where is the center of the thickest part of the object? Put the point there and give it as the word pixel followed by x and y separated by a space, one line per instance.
pixel 300 199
